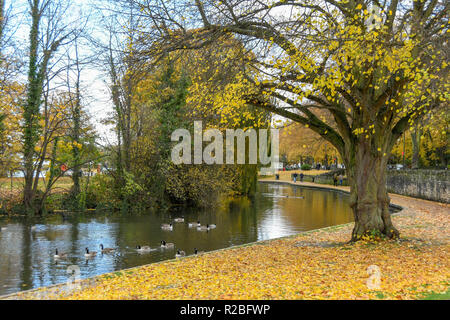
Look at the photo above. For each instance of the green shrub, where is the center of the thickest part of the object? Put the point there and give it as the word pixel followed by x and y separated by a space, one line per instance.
pixel 100 193
pixel 306 167
pixel 11 202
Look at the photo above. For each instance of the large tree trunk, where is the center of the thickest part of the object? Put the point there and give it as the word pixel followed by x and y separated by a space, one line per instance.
pixel 76 189
pixel 369 200
pixel 415 138
pixel 31 110
pixel 28 195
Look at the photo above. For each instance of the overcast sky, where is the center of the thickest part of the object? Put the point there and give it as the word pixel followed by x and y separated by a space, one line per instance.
pixel 96 97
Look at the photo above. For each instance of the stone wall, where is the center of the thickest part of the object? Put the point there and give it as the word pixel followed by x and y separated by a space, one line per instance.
pixel 425 184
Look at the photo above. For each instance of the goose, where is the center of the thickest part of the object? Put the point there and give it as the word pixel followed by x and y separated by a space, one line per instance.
pixel 106 250
pixel 194 224
pixel 179 219
pixel 143 249
pixel 198 252
pixel 203 228
pixel 90 254
pixel 59 255
pixel 167 227
pixel 166 245
pixel 180 254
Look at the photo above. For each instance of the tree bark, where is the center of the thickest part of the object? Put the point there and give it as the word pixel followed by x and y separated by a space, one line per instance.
pixel 369 199
pixel 2 22
pixel 415 138
pixel 76 134
pixel 31 109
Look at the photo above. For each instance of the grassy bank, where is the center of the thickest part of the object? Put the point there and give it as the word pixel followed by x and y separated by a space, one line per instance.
pixel 11 194
pixel 319 264
pixel 6 185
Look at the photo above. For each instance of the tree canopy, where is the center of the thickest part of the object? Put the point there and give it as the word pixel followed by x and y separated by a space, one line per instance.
pixel 375 67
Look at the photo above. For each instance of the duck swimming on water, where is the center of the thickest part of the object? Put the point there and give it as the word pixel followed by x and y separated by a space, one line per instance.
pixel 198 252
pixel 166 245
pixel 194 224
pixel 144 249
pixel 59 255
pixel 90 254
pixel 180 254
pixel 106 250
pixel 167 226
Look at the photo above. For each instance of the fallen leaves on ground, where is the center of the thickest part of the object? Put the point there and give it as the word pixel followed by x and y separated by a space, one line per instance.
pixel 315 265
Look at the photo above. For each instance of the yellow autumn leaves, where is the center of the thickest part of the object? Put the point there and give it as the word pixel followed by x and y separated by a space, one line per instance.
pixel 316 265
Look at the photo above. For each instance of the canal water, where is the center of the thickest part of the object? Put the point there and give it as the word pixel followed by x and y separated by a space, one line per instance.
pixel 27 254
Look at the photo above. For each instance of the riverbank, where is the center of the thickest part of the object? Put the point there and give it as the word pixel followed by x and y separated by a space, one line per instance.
pixel 424 184
pixel 319 264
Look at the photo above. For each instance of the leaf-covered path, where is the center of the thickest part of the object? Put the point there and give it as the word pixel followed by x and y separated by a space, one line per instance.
pixel 319 264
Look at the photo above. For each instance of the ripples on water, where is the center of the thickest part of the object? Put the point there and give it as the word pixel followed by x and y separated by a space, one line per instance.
pixel 26 256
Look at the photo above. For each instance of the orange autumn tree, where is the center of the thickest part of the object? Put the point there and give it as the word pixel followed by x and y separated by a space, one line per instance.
pixel 299 143
pixel 208 96
pixel 375 67
pixel 425 144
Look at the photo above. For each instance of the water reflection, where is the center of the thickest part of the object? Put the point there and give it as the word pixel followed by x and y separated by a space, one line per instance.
pixel 26 255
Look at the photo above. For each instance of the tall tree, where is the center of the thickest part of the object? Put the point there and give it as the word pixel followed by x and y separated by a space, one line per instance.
pixel 75 135
pixel 44 41
pixel 116 58
pixel 2 21
pixel 2 27
pixel 370 64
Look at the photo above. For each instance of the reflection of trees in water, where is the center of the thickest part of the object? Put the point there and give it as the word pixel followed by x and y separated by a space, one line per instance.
pixel 28 257
pixel 245 215
pixel 11 257
pixel 318 209
pixel 26 276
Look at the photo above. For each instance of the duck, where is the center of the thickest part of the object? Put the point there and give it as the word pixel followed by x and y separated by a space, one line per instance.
pixel 3 228
pixel 166 245
pixel 212 226
pixel 198 252
pixel 180 254
pixel 106 250
pixel 203 228
pixel 90 254
pixel 194 224
pixel 179 219
pixel 167 227
pixel 59 255
pixel 143 249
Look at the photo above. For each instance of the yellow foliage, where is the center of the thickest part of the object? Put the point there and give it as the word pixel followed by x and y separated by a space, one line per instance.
pixel 315 265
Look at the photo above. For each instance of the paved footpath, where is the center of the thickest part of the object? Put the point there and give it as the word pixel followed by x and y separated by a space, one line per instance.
pixel 396 199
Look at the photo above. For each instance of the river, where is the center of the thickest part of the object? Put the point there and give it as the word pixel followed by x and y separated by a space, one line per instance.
pixel 27 255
